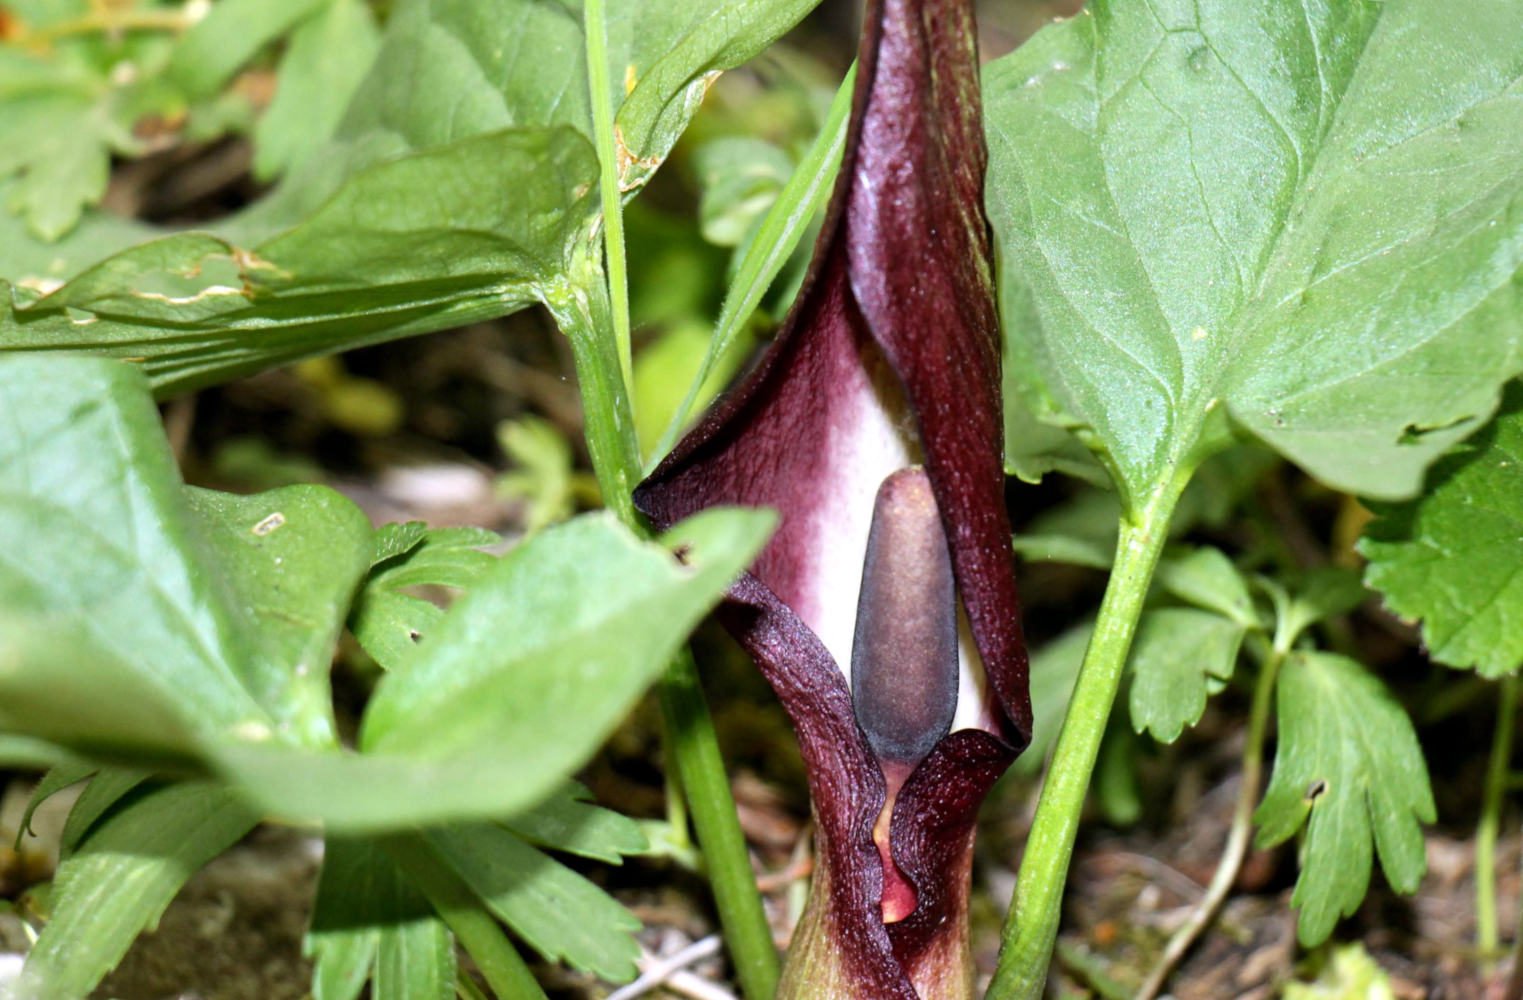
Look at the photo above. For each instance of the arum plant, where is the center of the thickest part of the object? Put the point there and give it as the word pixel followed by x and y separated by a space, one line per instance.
pixel 873 425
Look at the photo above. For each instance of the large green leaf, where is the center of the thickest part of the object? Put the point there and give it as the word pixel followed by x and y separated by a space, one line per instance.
pixel 457 187
pixel 148 653
pixel 1454 557
pixel 121 879
pixel 520 682
pixel 150 622
pixel 525 676
pixel 1302 215
pixel 157 617
pixel 1349 767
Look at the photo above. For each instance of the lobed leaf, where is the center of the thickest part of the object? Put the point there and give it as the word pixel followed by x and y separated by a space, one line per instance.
pixel 1180 656
pixel 390 624
pixel 1452 557
pixel 370 921
pixel 1206 578
pixel 567 820
pixel 1349 768
pixel 557 912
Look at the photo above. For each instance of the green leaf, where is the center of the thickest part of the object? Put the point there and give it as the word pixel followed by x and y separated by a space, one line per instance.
pixel 325 60
pixel 1206 578
pixel 65 107
pixel 559 913
pixel 173 616
pixel 525 676
pixel 1349 767
pixel 100 546
pixel 354 889
pixel 1304 217
pixel 671 51
pixel 390 624
pixel 230 35
pixel 369 918
pixel 415 961
pixel 122 878
pixel 344 253
pixel 105 790
pixel 568 821
pixel 522 680
pixel 1034 448
pixel 56 780
pixel 1179 656
pixel 397 539
pixel 1454 557
pixel 290 591
pixel 144 655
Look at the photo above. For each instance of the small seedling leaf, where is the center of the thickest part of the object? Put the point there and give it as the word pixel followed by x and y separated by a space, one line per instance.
pixel 1349 768
pixel 1178 657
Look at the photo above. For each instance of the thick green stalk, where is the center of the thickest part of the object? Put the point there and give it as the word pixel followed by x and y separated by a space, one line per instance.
pixel 695 745
pixel 582 311
pixel 1032 927
pixel 1487 939
pixel 610 190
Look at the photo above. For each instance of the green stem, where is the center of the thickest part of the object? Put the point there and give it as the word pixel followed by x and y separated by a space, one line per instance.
pixel 1487 939
pixel 477 931
pixel 609 146
pixel 1237 837
pixel 696 747
pixel 582 311
pixel 1032 927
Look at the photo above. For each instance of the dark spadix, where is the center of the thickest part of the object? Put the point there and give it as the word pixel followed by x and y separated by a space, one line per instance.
pixel 889 359
pixel 904 651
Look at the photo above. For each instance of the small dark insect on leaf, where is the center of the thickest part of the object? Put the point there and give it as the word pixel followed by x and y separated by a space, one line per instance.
pixel 1316 790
